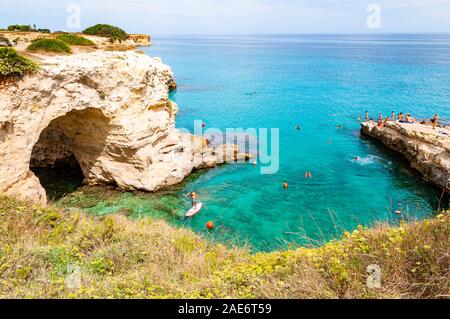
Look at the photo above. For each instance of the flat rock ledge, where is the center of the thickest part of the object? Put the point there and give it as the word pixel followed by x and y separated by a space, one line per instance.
pixel 426 149
pixel 111 113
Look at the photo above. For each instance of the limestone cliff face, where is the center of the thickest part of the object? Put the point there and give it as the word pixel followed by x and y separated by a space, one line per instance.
pixel 110 110
pixel 427 150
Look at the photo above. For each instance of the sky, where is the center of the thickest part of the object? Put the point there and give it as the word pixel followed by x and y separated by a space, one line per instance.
pixel 233 16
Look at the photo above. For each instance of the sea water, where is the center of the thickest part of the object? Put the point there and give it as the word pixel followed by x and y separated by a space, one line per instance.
pixel 320 83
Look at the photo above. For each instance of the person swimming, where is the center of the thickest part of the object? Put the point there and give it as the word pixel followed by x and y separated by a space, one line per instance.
pixel 357 158
pixel 308 175
pixel 297 127
pixel 285 185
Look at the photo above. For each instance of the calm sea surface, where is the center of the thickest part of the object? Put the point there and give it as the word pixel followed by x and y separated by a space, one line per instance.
pixel 317 82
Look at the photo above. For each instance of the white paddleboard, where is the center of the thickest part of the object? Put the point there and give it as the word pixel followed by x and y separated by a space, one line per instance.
pixel 194 210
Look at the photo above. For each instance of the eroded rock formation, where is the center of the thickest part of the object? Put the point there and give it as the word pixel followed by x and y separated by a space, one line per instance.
pixel 426 149
pixel 108 109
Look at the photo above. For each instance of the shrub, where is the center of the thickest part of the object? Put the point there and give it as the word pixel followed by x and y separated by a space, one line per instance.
pixel 49 45
pixel 18 27
pixel 72 39
pixel 14 65
pixel 107 31
pixel 43 30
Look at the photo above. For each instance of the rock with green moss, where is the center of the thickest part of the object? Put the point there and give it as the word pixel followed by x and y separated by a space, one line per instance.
pixel 107 31
pixel 13 64
pixel 73 39
pixel 49 45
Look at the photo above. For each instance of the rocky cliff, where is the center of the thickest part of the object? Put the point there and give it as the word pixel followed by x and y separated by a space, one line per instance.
pixel 108 110
pixel 426 149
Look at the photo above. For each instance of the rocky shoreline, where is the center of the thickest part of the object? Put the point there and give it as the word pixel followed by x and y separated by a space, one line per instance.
pixel 427 150
pixel 107 109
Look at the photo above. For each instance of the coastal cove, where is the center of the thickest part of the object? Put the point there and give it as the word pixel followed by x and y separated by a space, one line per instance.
pixel 319 83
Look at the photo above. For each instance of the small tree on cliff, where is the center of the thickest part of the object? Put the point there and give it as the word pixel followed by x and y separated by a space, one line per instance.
pixel 14 65
pixel 107 31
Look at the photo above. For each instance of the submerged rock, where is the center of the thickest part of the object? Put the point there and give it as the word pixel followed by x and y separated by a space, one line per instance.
pixel 426 149
pixel 108 110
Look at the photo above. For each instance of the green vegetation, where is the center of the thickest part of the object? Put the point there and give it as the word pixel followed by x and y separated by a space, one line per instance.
pixel 107 31
pixel 119 258
pixel 26 28
pixel 19 27
pixel 73 39
pixel 49 45
pixel 14 65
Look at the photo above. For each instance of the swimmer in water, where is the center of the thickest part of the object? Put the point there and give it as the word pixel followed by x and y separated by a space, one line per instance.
pixel 308 175
pixel 357 158
pixel 285 185
pixel 297 127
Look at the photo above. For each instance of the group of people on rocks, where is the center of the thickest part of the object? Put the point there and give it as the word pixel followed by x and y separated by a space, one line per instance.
pixel 402 118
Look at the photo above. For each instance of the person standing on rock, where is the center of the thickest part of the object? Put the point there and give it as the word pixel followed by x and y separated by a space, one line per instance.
pixel 367 116
pixel 435 121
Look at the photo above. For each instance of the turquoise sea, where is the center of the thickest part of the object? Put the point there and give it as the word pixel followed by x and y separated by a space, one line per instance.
pixel 318 82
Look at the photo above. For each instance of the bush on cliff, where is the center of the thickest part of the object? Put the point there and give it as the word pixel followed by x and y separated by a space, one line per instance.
pixel 73 39
pixel 49 45
pixel 19 27
pixel 14 65
pixel 40 248
pixel 26 28
pixel 107 31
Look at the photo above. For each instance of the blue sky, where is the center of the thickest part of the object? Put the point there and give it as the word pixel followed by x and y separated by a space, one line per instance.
pixel 234 16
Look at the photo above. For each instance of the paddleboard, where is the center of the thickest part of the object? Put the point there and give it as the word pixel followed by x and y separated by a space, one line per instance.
pixel 194 210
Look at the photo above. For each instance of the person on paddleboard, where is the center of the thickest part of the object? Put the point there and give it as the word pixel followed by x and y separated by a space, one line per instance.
pixel 194 198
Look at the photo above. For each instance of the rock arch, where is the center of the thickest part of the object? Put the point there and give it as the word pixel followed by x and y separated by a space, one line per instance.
pixel 111 110
pixel 76 139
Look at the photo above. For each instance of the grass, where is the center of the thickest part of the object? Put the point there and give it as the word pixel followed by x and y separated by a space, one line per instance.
pixel 107 31
pixel 14 65
pixel 49 45
pixel 114 257
pixel 73 39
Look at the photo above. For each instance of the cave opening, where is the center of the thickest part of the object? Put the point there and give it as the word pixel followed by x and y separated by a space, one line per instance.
pixel 63 156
